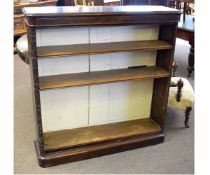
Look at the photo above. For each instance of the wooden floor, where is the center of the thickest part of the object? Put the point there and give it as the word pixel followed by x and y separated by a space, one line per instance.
pixel 100 133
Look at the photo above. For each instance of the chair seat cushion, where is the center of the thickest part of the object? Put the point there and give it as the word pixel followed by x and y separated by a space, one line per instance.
pixel 22 48
pixel 187 97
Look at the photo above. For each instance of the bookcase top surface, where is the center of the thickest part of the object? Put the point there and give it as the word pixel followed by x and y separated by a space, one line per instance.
pixel 96 10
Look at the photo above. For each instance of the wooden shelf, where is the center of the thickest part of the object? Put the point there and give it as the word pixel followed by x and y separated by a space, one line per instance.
pixel 93 134
pixel 100 77
pixel 19 32
pixel 101 48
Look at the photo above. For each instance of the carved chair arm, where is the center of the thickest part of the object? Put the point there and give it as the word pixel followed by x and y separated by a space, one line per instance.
pixel 179 86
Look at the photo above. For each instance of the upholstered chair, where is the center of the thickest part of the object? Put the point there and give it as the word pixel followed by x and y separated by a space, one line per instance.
pixel 181 96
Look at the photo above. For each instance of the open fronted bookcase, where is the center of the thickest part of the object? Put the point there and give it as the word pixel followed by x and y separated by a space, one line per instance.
pixel 100 78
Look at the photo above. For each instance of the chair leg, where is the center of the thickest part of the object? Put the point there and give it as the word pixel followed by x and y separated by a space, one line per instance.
pixel 174 68
pixel 187 113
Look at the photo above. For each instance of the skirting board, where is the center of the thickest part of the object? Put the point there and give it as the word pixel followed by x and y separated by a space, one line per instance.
pixel 95 150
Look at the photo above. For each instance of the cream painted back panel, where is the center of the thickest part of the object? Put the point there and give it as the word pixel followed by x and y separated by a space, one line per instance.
pixel 63 65
pixel 99 104
pixel 122 101
pixel 82 35
pixel 91 105
pixel 62 36
pixel 123 33
pixel 130 100
pixel 64 108
pixel 122 60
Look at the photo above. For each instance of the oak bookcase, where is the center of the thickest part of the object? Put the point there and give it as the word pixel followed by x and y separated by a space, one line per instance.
pixel 100 78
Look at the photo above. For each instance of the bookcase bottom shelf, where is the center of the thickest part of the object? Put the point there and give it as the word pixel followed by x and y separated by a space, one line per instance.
pixel 88 142
pixel 96 150
pixel 72 138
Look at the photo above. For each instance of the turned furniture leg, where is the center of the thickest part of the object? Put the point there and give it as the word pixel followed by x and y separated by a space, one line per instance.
pixel 187 113
pixel 190 67
pixel 174 68
pixel 184 10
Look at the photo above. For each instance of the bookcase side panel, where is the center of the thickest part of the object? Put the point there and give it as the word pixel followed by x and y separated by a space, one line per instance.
pixel 32 54
pixel 165 59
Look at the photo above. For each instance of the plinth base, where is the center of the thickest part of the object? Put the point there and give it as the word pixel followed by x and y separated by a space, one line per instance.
pixel 85 152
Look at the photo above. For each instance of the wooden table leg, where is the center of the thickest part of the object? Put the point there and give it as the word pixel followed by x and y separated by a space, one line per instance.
pixel 190 67
pixel 184 11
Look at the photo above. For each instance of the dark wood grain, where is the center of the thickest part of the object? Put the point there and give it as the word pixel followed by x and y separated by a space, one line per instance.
pixel 101 48
pixel 100 77
pixel 19 25
pixel 99 15
pixel 35 87
pixel 95 150
pixel 187 114
pixel 180 85
pixel 161 86
pixel 100 133
pixel 143 2
pixel 96 11
pixel 71 150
